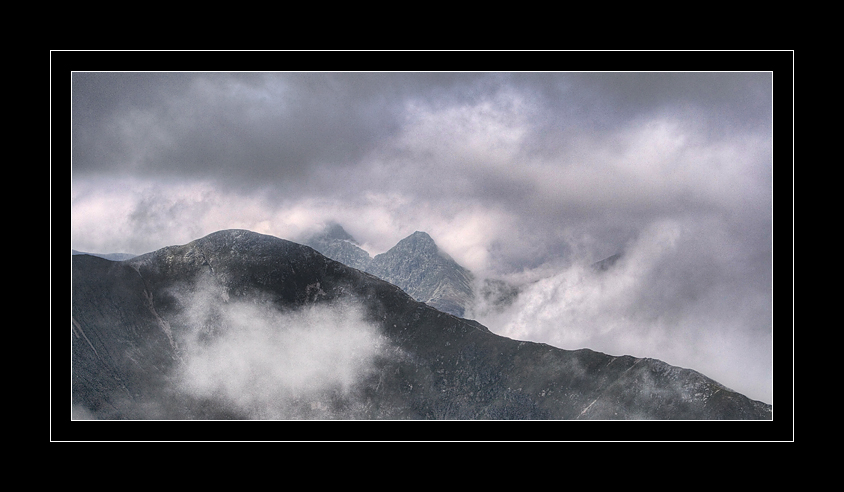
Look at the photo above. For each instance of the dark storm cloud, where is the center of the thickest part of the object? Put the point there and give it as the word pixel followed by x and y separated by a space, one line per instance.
pixel 604 152
pixel 740 100
pixel 300 128
pixel 236 128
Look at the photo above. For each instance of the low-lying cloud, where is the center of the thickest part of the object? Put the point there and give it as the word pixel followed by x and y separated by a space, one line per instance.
pixel 269 364
pixel 672 296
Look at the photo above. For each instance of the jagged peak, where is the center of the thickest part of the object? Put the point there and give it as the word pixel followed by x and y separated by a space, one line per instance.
pixel 418 243
pixel 334 230
pixel 418 239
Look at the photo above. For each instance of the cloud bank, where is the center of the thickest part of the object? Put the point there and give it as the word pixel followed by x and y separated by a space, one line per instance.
pixel 668 297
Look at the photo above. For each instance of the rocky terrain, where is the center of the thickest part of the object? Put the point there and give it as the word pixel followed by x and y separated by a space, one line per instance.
pixel 420 268
pixel 337 244
pixel 239 325
pixel 415 264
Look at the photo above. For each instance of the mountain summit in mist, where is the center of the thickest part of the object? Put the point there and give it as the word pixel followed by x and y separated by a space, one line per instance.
pixel 415 264
pixel 337 244
pixel 421 269
pixel 239 325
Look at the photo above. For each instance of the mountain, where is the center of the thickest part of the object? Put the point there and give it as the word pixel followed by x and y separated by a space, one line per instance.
pixel 421 269
pixel 337 244
pixel 239 325
pixel 415 264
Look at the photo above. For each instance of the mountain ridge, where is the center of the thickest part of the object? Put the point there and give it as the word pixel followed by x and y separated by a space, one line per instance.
pixel 416 264
pixel 334 242
pixel 134 328
pixel 419 266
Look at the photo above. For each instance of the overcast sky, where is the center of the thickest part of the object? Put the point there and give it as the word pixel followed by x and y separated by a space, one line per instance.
pixel 521 176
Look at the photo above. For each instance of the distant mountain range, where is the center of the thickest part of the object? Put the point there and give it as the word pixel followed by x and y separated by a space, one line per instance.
pixel 415 264
pixel 419 267
pixel 240 325
pixel 337 244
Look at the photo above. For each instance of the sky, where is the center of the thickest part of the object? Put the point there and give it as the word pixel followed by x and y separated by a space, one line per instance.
pixel 525 177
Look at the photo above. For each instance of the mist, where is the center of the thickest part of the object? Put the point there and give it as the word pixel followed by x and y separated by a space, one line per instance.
pixel 672 296
pixel 264 363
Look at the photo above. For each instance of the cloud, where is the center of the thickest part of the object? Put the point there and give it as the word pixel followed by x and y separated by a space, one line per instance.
pixel 239 129
pixel 265 363
pixel 516 145
pixel 678 294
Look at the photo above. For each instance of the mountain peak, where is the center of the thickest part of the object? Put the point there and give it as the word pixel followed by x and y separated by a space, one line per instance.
pixel 417 243
pixel 425 272
pixel 229 236
pixel 335 231
pixel 334 242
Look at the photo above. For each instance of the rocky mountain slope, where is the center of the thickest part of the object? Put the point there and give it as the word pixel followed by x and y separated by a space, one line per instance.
pixel 421 269
pixel 337 244
pixel 239 325
pixel 415 264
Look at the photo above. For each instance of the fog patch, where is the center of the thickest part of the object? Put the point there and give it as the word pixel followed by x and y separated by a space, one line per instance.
pixel 679 294
pixel 260 362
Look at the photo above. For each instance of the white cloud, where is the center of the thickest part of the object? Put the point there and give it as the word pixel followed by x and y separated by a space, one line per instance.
pixel 487 133
pixel 673 296
pixel 259 360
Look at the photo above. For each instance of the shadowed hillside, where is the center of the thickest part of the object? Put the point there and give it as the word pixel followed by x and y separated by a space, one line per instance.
pixel 239 325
